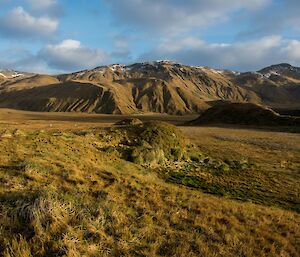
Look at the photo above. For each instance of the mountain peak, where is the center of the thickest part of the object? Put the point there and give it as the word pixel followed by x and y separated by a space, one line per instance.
pixel 281 69
pixel 280 66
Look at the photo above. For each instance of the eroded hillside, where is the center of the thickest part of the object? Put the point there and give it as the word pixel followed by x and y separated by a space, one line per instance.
pixel 159 87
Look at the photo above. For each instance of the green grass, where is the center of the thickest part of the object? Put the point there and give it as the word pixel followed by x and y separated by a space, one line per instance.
pixel 236 179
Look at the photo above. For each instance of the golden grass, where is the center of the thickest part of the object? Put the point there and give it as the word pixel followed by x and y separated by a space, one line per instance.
pixel 273 150
pixel 62 196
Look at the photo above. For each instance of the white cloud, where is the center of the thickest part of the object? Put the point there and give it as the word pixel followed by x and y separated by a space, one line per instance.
pixel 18 24
pixel 281 16
pixel 70 55
pixel 177 16
pixel 292 50
pixel 22 60
pixel 250 55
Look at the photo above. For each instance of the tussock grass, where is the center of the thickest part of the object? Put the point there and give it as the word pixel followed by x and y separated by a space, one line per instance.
pixel 61 194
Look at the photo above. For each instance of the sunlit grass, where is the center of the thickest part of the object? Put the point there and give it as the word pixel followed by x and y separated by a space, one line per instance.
pixel 62 194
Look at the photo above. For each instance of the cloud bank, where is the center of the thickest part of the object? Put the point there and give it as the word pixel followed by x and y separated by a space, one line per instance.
pixel 233 34
pixel 20 24
pixel 175 16
pixel 244 56
pixel 71 55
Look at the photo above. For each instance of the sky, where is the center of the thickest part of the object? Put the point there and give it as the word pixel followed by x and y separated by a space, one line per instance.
pixel 59 36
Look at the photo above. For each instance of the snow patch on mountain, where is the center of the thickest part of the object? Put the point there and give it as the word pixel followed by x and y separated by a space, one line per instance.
pixel 10 74
pixel 269 74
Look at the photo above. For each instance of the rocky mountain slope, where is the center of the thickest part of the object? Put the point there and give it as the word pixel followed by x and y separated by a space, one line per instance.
pixel 160 87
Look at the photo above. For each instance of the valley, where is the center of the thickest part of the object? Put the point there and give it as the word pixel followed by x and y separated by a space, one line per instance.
pixel 146 128
pixel 81 185
pixel 150 159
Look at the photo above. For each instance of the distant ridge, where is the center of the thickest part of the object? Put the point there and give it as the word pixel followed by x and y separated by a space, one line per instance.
pixel 150 87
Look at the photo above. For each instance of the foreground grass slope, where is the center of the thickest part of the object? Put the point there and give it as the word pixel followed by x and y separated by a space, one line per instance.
pixel 83 193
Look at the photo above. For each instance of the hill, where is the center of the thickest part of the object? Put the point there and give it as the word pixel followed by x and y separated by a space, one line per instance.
pixel 244 114
pixel 159 87
pixel 276 86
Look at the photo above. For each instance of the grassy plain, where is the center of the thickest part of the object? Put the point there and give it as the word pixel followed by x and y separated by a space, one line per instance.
pixel 67 189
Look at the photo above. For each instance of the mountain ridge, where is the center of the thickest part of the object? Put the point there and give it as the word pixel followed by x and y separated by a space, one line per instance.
pixel 157 86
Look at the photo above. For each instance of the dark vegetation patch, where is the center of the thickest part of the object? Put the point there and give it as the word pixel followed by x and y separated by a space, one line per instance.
pixel 245 114
pixel 289 112
pixel 236 179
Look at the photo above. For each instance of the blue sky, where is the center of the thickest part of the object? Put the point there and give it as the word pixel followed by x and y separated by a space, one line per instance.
pixel 56 36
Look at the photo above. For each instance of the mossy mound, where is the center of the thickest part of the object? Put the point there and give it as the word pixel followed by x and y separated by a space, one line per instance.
pixel 162 135
pixel 154 143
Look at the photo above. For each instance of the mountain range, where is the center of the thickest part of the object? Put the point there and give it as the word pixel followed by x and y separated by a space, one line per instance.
pixel 149 87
